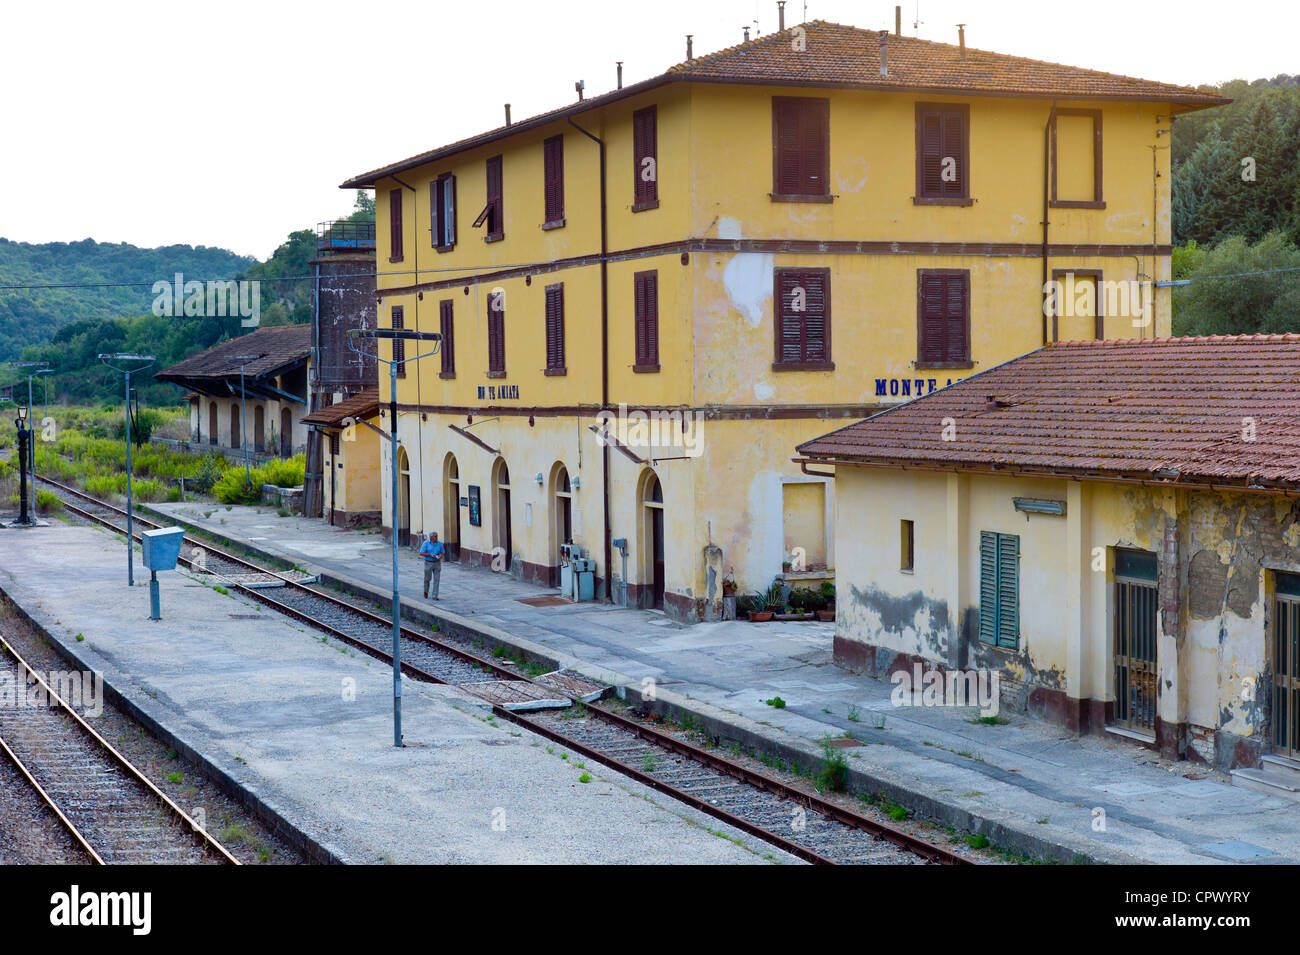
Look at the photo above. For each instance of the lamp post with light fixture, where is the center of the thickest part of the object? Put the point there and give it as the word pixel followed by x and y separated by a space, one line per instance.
pixel 35 368
pixel 140 363
pixel 394 335
pixel 24 449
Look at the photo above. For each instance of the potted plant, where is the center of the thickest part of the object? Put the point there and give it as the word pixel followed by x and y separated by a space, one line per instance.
pixel 729 589
pixel 802 604
pixel 774 598
pixel 785 566
pixel 826 613
pixel 754 605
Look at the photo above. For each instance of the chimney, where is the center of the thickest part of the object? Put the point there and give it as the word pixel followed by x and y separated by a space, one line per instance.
pixel 580 86
pixel 620 73
pixel 780 14
pixel 961 39
pixel 746 34
pixel 689 54
pixel 898 21
pixel 884 52
pixel 507 114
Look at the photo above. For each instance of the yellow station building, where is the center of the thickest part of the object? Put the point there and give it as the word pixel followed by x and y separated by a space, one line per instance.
pixel 649 298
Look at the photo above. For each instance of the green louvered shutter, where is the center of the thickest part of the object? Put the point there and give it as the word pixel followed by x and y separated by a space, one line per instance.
pixel 1008 591
pixel 988 587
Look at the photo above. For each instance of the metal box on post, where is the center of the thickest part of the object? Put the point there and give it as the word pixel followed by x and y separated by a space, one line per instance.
pixel 162 547
pixel 584 578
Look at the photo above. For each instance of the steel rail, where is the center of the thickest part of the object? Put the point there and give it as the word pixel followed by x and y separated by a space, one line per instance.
pixel 204 838
pixel 744 774
pixel 67 823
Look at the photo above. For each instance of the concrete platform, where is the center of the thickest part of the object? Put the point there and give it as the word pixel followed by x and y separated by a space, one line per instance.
pixel 1028 785
pixel 304 727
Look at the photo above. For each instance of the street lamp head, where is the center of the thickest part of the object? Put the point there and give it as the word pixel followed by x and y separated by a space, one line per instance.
pixel 22 412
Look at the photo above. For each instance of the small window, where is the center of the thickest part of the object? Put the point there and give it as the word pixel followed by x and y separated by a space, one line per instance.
pixel 496 336
pixel 647 321
pixel 555 329
pixel 395 225
pixel 1000 590
pixel 803 320
pixel 942 154
pixel 943 318
pixel 906 553
pixel 1076 159
pixel 442 212
pixel 553 175
pixel 645 159
pixel 334 444
pixel 399 344
pixel 447 328
pixel 801 149
pixel 494 212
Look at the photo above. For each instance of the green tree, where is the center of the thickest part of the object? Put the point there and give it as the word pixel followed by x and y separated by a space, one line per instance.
pixel 1240 304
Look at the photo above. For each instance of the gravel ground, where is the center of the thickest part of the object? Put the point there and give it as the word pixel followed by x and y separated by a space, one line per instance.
pixel 242 833
pixel 29 832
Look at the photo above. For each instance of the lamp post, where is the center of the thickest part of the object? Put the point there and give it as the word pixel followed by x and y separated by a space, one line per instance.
pixel 243 414
pixel 128 364
pixel 24 449
pixel 394 335
pixel 37 368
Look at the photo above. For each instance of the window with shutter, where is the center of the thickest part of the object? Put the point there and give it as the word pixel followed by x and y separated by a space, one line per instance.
pixel 447 328
pixel 802 320
pixel 395 225
pixel 553 177
pixel 555 329
pixel 399 344
pixel 496 323
pixel 1076 159
pixel 942 154
pixel 800 149
pixel 999 590
pixel 496 226
pixel 645 159
pixel 646 294
pixel 943 318
pixel 442 212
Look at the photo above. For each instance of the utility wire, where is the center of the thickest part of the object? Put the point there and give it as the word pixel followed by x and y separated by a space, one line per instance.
pixel 1231 275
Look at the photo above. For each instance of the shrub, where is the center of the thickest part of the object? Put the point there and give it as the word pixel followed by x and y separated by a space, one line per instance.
pixel 285 473
pixel 206 475
pixel 234 486
pixel 47 500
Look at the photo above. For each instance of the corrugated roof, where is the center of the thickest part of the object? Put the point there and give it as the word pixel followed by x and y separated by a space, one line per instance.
pixel 1176 409
pixel 276 345
pixel 359 407
pixel 846 56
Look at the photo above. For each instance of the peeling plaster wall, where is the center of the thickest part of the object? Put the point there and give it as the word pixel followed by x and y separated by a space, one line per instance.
pixel 1215 552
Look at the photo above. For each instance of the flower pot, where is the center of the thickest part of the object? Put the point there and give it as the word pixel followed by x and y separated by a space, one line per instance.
pixel 760 616
pixel 826 616
pixel 797 615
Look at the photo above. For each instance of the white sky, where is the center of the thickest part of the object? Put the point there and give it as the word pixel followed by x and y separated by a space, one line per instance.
pixel 231 124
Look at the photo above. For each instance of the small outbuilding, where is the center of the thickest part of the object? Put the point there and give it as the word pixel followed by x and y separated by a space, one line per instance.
pixel 351 452
pixel 1111 526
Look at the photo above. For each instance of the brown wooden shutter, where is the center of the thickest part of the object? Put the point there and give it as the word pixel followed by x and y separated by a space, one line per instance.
pixel 646 291
pixel 555 327
pixel 931 155
pixel 496 339
pixel 395 224
pixel 645 143
pixel 943 321
pixel 399 344
pixel 941 134
pixel 496 221
pixel 553 175
pixel 802 335
pixel 446 322
pixel 801 146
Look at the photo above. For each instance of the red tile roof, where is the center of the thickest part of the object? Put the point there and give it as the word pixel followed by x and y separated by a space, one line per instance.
pixel 359 407
pixel 838 55
pixel 276 346
pixel 1172 409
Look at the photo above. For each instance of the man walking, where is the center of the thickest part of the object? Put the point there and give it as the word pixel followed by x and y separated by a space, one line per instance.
pixel 432 551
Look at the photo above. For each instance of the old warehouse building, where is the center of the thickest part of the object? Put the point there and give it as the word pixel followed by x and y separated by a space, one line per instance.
pixel 807 227
pixel 1112 526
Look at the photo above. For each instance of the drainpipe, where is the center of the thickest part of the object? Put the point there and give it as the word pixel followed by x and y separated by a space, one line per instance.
pixel 419 397
pixel 604 348
pixel 1047 171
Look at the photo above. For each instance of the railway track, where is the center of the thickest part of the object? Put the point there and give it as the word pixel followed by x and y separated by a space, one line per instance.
pixel 109 809
pixel 805 825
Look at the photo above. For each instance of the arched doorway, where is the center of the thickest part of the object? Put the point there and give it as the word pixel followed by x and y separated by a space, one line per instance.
pixel 212 422
pixel 259 428
pixel 403 498
pixel 451 506
pixel 286 433
pixel 501 532
pixel 234 426
pixel 561 512
pixel 652 537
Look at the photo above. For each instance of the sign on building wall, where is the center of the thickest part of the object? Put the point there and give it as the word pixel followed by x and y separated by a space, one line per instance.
pixel 475 507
